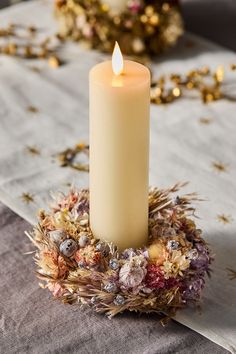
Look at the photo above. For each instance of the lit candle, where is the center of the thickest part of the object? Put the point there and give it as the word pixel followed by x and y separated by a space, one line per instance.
pixel 119 151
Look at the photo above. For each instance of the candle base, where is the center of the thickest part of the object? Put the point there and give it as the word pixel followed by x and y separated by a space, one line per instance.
pixel 163 276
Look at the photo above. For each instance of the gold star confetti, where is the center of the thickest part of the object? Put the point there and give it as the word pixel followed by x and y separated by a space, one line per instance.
pixel 231 273
pixel 32 150
pixel 219 166
pixel 233 66
pixel 36 69
pixel 205 121
pixel 27 198
pixel 67 157
pixel 224 219
pixel 68 184
pixel 32 109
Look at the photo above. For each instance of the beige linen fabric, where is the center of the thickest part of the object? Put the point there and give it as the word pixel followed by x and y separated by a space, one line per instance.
pixel 182 149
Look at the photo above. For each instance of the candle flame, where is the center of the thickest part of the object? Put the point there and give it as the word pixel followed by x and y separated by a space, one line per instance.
pixel 117 60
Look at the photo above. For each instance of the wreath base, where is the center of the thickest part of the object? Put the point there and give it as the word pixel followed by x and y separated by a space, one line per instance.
pixel 164 276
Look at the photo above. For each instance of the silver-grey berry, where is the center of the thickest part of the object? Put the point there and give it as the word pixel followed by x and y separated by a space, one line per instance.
pixel 119 300
pixel 110 287
pixel 114 263
pixel 68 247
pixel 83 240
pixel 172 245
pixel 57 236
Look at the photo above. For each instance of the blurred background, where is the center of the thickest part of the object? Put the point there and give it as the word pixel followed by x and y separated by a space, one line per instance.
pixel 212 19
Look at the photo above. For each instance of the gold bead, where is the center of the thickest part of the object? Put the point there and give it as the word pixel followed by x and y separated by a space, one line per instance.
pixel 53 61
pixel 143 18
pixel 149 10
pixel 12 48
pixel 176 91
pixel 165 7
pixel 154 19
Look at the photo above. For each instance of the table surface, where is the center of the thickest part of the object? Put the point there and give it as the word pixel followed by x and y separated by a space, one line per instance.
pixel 177 136
pixel 30 322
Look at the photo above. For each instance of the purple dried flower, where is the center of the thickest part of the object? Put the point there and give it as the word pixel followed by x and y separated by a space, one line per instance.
pixel 193 289
pixel 202 261
pixel 129 252
pixel 192 254
pixel 171 283
pixel 103 248
pixel 83 207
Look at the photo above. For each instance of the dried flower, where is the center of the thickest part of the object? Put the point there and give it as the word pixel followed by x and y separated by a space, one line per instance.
pixel 52 264
pixel 193 289
pixel 202 261
pixel 88 256
pixel 103 248
pixel 133 272
pixel 175 265
pixel 155 277
pixel 56 289
pixel 157 253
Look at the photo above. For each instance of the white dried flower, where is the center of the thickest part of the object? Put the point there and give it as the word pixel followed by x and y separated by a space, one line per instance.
pixel 133 272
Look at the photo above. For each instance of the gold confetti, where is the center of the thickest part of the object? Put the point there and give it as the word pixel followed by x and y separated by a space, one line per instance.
pixel 224 219
pixel 231 273
pixel 29 46
pixel 67 157
pixel 32 109
pixel 220 166
pixel 219 74
pixel 35 69
pixel 205 121
pixel 53 62
pixel 32 150
pixel 27 198
pixel 233 66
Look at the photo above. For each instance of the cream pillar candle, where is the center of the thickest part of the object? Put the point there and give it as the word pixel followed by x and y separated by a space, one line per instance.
pixel 119 151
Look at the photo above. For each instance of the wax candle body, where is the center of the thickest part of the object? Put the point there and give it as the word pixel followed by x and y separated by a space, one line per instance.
pixel 119 153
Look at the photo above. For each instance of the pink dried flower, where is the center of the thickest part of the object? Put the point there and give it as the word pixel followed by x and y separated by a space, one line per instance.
pixel 53 264
pixel 87 256
pixel 134 6
pixel 56 289
pixel 65 202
